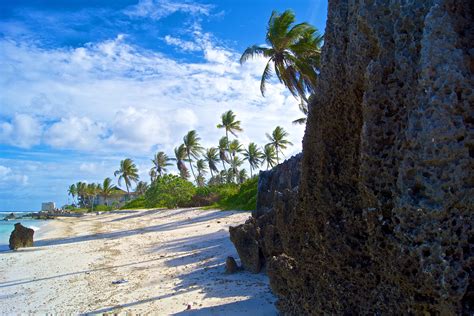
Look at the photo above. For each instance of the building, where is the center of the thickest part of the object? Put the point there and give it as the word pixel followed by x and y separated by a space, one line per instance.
pixel 48 206
pixel 118 198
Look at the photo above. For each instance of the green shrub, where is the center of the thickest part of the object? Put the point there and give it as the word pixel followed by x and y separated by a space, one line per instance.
pixel 239 198
pixel 169 191
pixel 102 208
pixel 139 202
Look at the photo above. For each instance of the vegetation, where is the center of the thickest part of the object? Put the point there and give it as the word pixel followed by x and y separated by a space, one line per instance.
pixel 137 203
pixel 128 172
pixel 169 191
pixel 278 141
pixel 243 197
pixel 293 50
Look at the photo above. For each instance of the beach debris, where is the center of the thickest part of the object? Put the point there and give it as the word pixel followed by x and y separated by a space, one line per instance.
pixel 21 237
pixel 121 281
pixel 230 265
pixel 189 307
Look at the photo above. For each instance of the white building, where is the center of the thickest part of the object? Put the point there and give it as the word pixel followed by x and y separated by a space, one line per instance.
pixel 48 206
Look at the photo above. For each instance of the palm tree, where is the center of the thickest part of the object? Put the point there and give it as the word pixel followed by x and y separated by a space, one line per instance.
pixel 269 156
pixel 254 156
pixel 234 148
pixel 223 147
pixel 212 158
pixel 128 172
pixel 81 192
pixel 193 148
pixel 293 50
pixel 72 191
pixel 160 162
pixel 141 187
pixel 229 124
pixel 107 189
pixel 278 140
pixel 180 154
pixel 92 190
pixel 202 170
pixel 242 176
pixel 233 171
pixel 152 174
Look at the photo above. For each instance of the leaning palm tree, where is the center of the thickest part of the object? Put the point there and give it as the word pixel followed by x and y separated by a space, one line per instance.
pixel 141 187
pixel 278 140
pixel 230 124
pixel 72 191
pixel 193 148
pixel 293 50
pixel 202 170
pixel 254 156
pixel 128 172
pixel 180 157
pixel 107 189
pixel 269 156
pixel 234 148
pixel 160 162
pixel 212 158
pixel 223 146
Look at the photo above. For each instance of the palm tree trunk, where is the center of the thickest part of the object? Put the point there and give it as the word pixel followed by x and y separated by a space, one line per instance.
pixel 278 160
pixel 192 170
pixel 250 171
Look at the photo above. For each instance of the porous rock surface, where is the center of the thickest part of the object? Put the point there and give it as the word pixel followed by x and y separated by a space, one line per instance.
pixel 21 237
pixel 383 221
pixel 257 240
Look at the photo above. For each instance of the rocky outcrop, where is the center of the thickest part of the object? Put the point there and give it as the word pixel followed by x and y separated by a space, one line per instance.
pixel 9 217
pixel 257 240
pixel 21 237
pixel 383 221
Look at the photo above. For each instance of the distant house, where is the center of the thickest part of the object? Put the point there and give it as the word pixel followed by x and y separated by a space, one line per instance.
pixel 118 197
pixel 48 206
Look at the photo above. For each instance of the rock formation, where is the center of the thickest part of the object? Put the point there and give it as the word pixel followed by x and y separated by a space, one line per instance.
pixel 257 240
pixel 383 222
pixel 21 237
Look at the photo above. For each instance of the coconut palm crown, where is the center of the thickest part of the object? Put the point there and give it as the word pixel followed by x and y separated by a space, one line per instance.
pixel 160 162
pixel 128 172
pixel 278 141
pixel 193 148
pixel 254 157
pixel 293 50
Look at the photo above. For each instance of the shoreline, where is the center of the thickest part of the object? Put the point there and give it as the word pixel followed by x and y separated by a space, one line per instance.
pixel 170 260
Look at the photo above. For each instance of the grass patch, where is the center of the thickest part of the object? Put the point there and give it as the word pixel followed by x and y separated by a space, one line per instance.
pixel 137 203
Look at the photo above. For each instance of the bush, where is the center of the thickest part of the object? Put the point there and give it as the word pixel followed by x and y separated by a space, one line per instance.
pixel 102 208
pixel 169 191
pixel 139 202
pixel 239 198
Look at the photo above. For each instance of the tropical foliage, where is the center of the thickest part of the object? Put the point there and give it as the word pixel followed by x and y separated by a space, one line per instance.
pixel 292 50
pixel 169 191
pixel 128 172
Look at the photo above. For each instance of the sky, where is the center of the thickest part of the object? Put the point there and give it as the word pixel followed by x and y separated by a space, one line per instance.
pixel 85 84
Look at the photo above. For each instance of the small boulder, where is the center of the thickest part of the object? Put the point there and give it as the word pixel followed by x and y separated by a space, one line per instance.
pixel 230 265
pixel 245 239
pixel 21 236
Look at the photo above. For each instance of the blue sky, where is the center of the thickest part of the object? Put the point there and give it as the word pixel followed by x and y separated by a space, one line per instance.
pixel 84 84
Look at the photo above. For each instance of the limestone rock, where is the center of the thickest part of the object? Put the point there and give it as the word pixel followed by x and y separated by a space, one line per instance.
pixel 21 237
pixel 383 221
pixel 230 265
pixel 245 239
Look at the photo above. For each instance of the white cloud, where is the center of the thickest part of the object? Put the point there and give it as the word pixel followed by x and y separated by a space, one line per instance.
pixel 112 96
pixel 88 167
pixel 182 44
pixel 22 131
pixel 4 171
pixel 75 133
pixel 157 9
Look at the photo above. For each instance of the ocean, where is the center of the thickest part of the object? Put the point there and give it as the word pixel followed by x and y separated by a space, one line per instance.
pixel 6 228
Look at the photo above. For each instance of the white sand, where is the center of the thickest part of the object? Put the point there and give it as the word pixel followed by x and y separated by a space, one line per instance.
pixel 170 258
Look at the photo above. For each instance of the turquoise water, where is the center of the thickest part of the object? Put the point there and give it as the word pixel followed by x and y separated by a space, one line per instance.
pixel 6 227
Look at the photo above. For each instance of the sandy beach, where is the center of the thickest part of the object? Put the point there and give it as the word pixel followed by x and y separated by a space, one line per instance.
pixel 170 260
